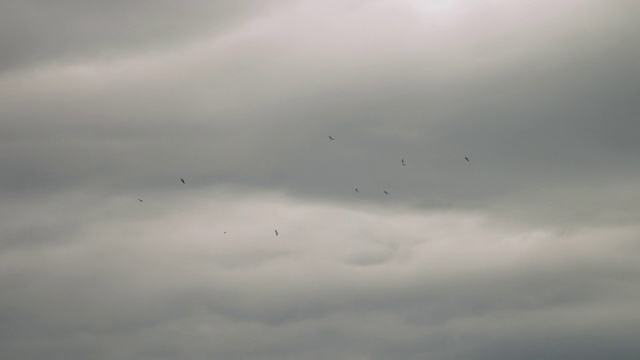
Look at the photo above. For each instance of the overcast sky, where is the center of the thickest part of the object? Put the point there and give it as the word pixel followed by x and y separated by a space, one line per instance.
pixel 529 250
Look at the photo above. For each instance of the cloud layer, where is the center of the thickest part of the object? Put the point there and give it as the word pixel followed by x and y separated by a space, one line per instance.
pixel 529 250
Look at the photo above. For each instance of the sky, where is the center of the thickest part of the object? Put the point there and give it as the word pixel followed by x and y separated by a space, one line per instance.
pixel 528 250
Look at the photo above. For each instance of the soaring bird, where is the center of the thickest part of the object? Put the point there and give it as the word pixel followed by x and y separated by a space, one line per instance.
pixel 357 190
pixel 466 158
pixel 403 164
pixel 181 179
pixel 276 232
pixel 385 191
pixel 140 200
pixel 331 138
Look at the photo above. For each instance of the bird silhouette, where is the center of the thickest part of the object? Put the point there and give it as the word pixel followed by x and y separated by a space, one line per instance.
pixel 181 179
pixel 403 164
pixel 385 191
pixel 466 158
pixel 140 200
pixel 331 138
pixel 357 190
pixel 276 232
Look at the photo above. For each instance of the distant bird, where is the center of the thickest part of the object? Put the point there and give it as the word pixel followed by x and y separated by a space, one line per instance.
pixel 385 191
pixel 403 164
pixel 140 200
pixel 357 190
pixel 466 158
pixel 331 138
pixel 276 232
pixel 181 179
pixel 225 232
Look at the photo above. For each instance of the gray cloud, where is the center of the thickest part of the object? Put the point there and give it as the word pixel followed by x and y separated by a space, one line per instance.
pixel 531 119
pixel 64 30
pixel 452 296
pixel 527 251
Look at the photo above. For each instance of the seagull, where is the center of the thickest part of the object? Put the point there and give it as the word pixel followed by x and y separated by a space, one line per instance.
pixel 403 164
pixel 276 232
pixel 331 137
pixel 140 200
pixel 385 191
pixel 181 179
pixel 466 158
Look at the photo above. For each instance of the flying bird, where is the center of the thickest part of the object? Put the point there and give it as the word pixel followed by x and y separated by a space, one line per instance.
pixel 276 232
pixel 357 190
pixel 385 191
pixel 403 164
pixel 331 138
pixel 140 200
pixel 466 158
pixel 181 179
